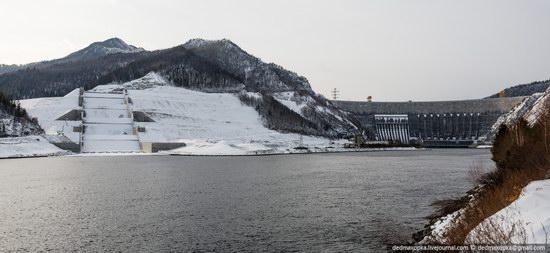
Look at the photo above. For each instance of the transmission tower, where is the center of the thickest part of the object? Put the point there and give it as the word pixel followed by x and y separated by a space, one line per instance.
pixel 335 94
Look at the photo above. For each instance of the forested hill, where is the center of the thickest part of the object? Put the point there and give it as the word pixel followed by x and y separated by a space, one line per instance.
pixel 8 68
pixel 209 66
pixel 202 65
pixel 524 89
pixel 14 120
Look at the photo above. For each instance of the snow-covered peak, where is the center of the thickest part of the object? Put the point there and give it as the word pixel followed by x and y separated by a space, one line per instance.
pixel 198 42
pixel 98 49
pixel 114 45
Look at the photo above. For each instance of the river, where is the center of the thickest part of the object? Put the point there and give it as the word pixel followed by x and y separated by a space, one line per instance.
pixel 317 202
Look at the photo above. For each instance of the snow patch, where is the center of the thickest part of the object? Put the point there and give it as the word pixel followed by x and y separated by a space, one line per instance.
pixel 148 81
pixel 530 210
pixel 293 101
pixel 529 109
pixel 30 146
pixel 202 147
pixel 440 227
pixel 48 110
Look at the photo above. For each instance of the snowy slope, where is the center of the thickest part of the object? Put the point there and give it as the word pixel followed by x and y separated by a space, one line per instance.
pixel 209 123
pixel 47 110
pixel 10 126
pixel 184 114
pixel 529 109
pixel 305 104
pixel 30 146
pixel 531 210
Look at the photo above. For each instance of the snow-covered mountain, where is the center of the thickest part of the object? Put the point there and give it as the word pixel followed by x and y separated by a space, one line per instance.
pixel 525 89
pixel 284 99
pixel 251 71
pixel 277 89
pixel 301 112
pixel 208 123
pixel 94 51
pixel 100 49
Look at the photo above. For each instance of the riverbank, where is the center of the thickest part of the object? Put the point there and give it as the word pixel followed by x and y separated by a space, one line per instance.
pixel 486 215
pixel 227 148
pixel 510 203
pixel 30 146
pixel 298 152
pixel 38 146
pixel 524 221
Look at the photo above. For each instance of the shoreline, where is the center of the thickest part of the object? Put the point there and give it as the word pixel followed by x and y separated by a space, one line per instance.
pixel 168 153
pixel 303 153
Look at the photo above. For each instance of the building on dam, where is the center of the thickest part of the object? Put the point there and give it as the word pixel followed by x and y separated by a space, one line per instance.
pixel 439 123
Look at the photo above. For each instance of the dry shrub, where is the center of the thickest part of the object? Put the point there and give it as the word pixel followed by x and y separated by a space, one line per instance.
pixel 476 173
pixel 502 230
pixel 491 199
pixel 522 155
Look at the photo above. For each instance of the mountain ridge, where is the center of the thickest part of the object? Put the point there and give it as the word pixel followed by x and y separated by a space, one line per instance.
pixel 527 89
pixel 102 48
pixel 93 51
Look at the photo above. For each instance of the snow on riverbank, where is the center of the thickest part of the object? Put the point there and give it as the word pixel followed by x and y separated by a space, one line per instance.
pixel 48 110
pixel 201 147
pixel 528 216
pixel 208 148
pixel 524 221
pixel 438 230
pixel 30 146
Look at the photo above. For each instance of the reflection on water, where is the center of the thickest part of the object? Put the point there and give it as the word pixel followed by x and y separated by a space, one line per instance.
pixel 328 202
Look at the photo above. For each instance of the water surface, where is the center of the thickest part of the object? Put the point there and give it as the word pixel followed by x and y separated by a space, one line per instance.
pixel 318 202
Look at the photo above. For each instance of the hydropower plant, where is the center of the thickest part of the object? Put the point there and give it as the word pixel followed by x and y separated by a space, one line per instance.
pixel 433 123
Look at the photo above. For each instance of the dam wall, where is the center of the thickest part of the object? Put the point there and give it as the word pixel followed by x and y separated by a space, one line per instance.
pixel 433 120
pixel 502 105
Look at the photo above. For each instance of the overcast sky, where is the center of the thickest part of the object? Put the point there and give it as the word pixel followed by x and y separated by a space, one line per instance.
pixel 391 50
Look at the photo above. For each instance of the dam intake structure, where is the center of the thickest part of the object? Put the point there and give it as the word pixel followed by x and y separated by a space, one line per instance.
pixel 434 123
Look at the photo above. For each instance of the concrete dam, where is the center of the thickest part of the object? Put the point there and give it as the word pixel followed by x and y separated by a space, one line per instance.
pixel 437 123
